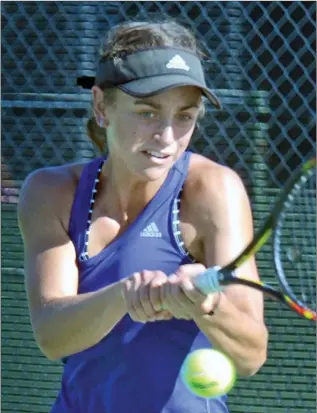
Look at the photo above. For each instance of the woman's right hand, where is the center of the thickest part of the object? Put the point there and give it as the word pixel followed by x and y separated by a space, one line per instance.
pixel 142 295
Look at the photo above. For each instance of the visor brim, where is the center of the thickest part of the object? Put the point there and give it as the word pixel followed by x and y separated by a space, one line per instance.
pixel 158 84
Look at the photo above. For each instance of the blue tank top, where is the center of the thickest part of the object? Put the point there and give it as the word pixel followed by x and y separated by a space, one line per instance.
pixel 136 367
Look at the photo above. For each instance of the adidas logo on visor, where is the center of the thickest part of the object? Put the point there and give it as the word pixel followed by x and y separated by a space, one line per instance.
pixel 177 62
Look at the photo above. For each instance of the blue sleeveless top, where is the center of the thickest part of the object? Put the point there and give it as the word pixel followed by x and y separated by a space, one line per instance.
pixel 136 367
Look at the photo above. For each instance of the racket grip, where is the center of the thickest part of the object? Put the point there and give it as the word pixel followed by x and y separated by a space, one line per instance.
pixel 208 281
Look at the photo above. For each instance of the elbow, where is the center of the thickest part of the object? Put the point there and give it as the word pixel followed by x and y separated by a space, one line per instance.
pixel 54 346
pixel 255 359
pixel 51 355
pixel 48 339
pixel 251 367
pixel 42 332
pixel 47 349
pixel 45 343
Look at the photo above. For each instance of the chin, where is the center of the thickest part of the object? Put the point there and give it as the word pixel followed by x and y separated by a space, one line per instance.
pixel 153 174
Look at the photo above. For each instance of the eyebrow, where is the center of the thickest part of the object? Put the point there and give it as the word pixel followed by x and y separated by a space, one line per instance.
pixel 155 105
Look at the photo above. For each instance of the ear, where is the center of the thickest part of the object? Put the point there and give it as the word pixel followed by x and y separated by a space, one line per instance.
pixel 99 106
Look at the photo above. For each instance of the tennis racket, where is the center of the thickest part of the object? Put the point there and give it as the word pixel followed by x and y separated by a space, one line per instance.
pixel 292 223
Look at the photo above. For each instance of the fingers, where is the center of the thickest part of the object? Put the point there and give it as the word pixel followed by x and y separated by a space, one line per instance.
pixel 132 298
pixel 190 270
pixel 175 300
pixel 152 296
pixel 189 290
pixel 181 297
pixel 155 287
pixel 143 298
pixel 207 306
pixel 155 291
pixel 141 304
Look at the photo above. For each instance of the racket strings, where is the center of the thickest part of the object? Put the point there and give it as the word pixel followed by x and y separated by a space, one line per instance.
pixel 298 241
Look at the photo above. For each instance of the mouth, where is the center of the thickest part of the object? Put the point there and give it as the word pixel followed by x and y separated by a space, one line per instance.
pixel 156 156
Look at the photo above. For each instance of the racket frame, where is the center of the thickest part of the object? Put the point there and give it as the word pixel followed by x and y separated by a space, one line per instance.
pixel 226 274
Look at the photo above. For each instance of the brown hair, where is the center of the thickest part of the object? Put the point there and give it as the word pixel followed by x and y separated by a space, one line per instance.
pixel 129 37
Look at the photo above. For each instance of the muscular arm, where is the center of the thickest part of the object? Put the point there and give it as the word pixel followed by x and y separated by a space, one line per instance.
pixel 63 321
pixel 225 222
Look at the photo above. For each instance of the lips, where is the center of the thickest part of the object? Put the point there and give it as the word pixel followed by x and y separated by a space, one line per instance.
pixel 157 158
pixel 157 154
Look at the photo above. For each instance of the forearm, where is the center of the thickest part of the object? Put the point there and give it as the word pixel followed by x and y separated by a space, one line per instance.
pixel 238 335
pixel 72 324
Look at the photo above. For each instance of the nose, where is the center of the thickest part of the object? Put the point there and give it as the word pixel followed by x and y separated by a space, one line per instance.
pixel 165 135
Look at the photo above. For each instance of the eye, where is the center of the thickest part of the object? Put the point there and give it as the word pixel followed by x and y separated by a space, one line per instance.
pixel 185 117
pixel 147 114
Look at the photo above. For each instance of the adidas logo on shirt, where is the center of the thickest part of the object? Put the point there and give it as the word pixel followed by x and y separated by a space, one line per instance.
pixel 177 62
pixel 151 231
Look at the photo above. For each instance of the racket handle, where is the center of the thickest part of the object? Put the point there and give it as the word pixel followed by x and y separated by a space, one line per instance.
pixel 208 281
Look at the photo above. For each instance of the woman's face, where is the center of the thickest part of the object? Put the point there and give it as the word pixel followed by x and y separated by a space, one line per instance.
pixel 147 135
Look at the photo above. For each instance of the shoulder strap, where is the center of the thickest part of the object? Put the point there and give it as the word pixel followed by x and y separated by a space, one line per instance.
pixel 182 167
pixel 81 204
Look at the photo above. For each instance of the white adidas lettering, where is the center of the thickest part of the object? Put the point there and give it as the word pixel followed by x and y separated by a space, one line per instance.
pixel 151 231
pixel 177 62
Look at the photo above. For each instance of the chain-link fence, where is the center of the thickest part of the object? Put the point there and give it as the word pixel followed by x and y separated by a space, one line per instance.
pixel 261 62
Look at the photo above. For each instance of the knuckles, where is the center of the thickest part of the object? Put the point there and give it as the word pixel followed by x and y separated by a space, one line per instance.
pixel 152 295
pixel 142 296
pixel 190 270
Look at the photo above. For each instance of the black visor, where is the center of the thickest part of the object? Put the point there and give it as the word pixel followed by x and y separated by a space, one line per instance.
pixel 149 72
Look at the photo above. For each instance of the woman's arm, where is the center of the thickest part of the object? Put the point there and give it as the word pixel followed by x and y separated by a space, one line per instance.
pixel 220 211
pixel 63 322
pixel 237 326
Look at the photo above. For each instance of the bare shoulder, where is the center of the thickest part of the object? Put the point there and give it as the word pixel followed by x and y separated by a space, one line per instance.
pixel 53 177
pixel 49 189
pixel 207 177
pixel 211 190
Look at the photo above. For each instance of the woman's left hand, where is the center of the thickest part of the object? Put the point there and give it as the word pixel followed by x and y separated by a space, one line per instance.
pixel 180 297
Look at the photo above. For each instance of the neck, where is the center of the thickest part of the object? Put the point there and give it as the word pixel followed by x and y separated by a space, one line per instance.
pixel 129 192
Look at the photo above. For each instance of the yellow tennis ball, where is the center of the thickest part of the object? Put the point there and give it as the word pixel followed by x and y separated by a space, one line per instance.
pixel 208 373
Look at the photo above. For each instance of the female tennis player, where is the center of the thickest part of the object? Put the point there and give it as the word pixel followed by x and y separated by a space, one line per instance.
pixel 112 245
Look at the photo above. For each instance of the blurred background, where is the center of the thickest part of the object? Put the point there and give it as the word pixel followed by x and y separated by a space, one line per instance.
pixel 260 59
